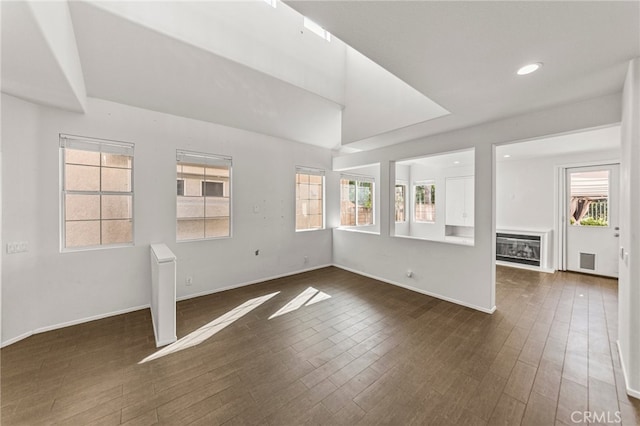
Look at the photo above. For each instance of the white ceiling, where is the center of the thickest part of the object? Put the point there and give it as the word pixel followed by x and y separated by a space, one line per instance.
pixel 464 55
pixel 606 140
pixel 247 65
pixel 447 160
pixel 242 64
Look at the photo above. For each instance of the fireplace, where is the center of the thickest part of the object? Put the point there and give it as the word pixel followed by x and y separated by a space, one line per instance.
pixel 516 248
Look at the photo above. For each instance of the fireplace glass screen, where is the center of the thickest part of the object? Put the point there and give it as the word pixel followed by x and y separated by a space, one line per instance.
pixel 524 249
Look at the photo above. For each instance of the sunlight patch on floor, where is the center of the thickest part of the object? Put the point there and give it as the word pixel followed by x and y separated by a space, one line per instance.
pixel 319 297
pixel 306 298
pixel 206 331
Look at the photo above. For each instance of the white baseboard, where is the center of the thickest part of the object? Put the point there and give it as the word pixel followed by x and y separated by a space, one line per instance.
pixel 205 293
pixel 231 287
pixel 418 290
pixel 137 308
pixel 528 267
pixel 17 339
pixel 631 392
pixel 70 323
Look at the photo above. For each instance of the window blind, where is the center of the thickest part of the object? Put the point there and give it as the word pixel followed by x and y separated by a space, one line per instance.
pixel 190 157
pixel 96 145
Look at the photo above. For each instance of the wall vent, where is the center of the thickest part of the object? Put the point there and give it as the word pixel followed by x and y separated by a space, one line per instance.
pixel 588 261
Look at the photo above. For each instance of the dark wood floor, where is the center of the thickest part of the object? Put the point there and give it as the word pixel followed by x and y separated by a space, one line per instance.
pixel 372 353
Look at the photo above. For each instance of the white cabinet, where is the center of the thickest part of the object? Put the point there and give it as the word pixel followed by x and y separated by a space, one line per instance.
pixel 459 201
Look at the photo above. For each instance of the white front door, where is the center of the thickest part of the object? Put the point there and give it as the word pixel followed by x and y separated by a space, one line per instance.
pixel 592 219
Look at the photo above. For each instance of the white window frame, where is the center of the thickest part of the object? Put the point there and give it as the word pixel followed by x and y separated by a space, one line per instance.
pixel 204 160
pixel 83 143
pixel 405 184
pixel 427 182
pixel 358 179
pixel 314 172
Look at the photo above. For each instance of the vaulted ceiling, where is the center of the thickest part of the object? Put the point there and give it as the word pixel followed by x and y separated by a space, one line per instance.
pixel 393 70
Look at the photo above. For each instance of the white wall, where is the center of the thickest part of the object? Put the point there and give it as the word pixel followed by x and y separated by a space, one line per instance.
pixel 436 265
pixel 526 191
pixel 376 101
pixel 43 288
pixel 629 269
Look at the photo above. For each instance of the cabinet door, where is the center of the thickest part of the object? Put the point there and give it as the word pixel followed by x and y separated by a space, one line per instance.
pixel 455 202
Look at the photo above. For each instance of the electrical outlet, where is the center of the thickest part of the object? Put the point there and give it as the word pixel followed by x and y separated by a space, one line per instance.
pixel 17 247
pixel 188 281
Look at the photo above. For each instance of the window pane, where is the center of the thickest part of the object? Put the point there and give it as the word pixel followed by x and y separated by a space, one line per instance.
pixel 315 179
pixel 303 191
pixel 190 207
pixel 315 207
pixel 216 207
pixel 589 198
pixel 212 189
pixel 218 227
pixel 116 207
pixel 425 203
pixel 82 234
pixel 347 203
pixel 82 178
pixel 190 169
pixel 302 222
pixel 309 207
pixel 89 158
pixel 82 207
pixel 204 197
pixel 365 203
pixel 303 178
pixel 216 172
pixel 192 187
pixel 116 180
pixel 190 229
pixel 117 231
pixel 116 160
pixel 315 192
pixel 315 221
pixel 400 203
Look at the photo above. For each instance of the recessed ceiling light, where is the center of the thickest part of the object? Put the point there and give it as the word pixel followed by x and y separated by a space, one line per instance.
pixel 528 69
pixel 507 155
pixel 272 3
pixel 456 162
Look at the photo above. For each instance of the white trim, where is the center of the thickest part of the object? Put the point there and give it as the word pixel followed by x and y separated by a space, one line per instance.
pixel 17 339
pixel 631 392
pixel 88 319
pixel 522 266
pixel 231 287
pixel 260 280
pixel 418 290
pixel 74 322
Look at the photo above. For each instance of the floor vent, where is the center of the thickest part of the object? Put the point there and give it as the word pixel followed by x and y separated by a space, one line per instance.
pixel 588 261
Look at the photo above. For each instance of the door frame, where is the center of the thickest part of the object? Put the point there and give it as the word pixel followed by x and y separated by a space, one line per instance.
pixel 560 207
